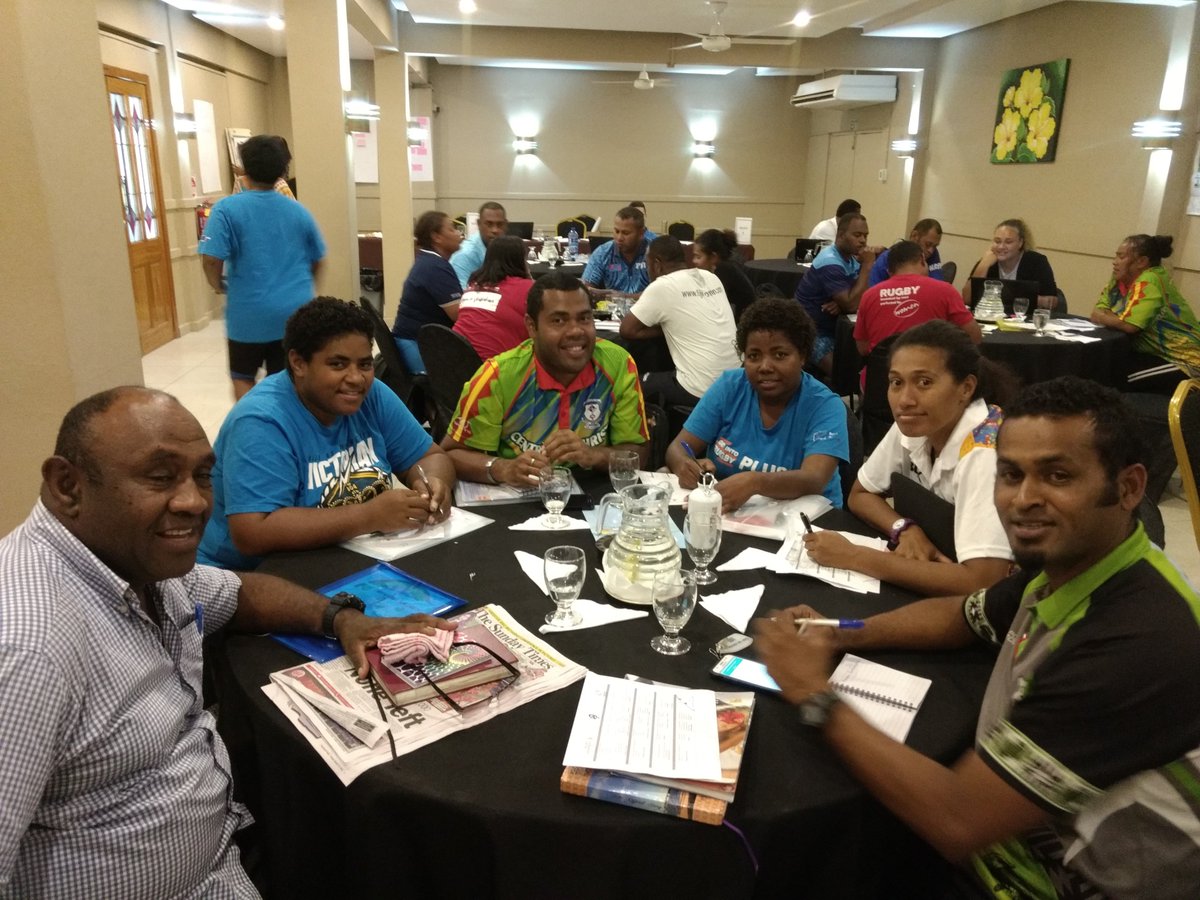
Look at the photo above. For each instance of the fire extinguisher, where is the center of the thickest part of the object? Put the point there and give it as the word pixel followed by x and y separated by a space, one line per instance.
pixel 203 211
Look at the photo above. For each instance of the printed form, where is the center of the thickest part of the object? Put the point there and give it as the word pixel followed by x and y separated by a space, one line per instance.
pixel 629 726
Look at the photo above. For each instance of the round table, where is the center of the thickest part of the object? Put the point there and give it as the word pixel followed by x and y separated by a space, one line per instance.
pixel 541 267
pixel 1037 359
pixel 785 274
pixel 480 813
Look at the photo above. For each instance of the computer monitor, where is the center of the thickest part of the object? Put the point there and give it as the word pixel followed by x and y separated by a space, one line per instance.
pixel 521 230
pixel 804 245
pixel 1008 290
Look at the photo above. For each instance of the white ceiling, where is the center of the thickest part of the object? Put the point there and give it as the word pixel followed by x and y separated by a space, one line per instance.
pixel 246 19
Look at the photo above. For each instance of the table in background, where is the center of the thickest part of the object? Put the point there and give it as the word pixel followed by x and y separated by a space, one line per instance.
pixel 785 274
pixel 1037 359
pixel 541 267
pixel 480 813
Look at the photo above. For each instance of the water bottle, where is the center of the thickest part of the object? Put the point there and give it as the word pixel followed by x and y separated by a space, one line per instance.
pixel 572 243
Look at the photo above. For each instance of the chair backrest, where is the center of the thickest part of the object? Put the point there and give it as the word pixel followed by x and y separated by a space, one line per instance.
pixel 876 411
pixel 658 424
pixel 805 246
pixel 949 270
pixel 393 372
pixel 589 221
pixel 848 469
pixel 596 240
pixel 1184 418
pixel 450 361
pixel 564 227
pixel 681 230
pixel 1060 308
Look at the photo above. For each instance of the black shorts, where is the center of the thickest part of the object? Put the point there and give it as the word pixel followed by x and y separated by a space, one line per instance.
pixel 245 359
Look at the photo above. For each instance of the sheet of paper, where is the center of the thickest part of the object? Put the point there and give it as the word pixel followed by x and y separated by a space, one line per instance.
pixel 396 544
pixel 793 559
pixel 628 726
pixel 206 147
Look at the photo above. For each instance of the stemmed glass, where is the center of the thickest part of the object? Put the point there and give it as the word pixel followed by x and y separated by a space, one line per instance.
pixel 564 570
pixel 623 468
pixel 674 598
pixel 1020 307
pixel 702 534
pixel 555 488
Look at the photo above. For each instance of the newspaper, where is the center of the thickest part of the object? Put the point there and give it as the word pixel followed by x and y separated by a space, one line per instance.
pixel 543 670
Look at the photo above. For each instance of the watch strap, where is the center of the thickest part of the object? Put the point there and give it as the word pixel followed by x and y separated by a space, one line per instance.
pixel 336 605
pixel 900 526
pixel 816 709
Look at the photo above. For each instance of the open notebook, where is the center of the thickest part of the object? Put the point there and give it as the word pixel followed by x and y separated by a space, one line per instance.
pixel 886 697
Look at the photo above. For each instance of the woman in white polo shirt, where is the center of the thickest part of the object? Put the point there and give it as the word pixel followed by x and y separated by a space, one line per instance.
pixel 944 439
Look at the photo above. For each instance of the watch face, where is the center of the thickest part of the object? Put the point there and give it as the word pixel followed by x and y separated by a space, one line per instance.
pixel 898 524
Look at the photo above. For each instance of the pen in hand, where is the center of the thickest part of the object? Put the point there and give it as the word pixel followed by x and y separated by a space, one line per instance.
pixel 807 524
pixel 433 507
pixel 801 624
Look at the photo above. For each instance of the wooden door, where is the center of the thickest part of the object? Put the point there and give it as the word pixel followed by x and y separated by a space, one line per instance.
pixel 142 209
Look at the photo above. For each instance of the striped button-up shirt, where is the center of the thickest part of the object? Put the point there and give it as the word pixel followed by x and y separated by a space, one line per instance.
pixel 113 780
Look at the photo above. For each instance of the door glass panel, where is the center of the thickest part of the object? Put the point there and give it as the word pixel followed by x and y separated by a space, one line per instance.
pixel 129 202
pixel 139 125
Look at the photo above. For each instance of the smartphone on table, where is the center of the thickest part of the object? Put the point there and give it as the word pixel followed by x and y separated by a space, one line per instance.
pixel 745 671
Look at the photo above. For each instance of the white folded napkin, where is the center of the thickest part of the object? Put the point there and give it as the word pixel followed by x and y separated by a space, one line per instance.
pixel 1073 338
pixel 593 614
pixel 533 567
pixel 750 558
pixel 735 607
pixel 538 523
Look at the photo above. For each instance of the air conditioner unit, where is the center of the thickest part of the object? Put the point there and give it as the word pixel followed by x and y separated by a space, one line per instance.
pixel 846 90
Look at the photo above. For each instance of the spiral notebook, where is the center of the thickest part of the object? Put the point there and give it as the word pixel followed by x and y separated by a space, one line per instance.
pixel 887 698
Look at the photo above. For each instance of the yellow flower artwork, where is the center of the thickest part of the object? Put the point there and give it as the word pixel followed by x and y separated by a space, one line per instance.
pixel 1029 113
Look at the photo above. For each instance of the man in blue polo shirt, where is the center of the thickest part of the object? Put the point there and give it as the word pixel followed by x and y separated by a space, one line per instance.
pixel 835 283
pixel 620 264
pixel 493 222
pixel 928 234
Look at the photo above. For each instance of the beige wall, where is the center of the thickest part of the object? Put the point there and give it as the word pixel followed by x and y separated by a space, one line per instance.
pixel 640 149
pixel 1082 204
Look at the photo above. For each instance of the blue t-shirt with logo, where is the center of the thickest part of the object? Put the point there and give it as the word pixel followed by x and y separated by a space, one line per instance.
pixel 727 418
pixel 272 453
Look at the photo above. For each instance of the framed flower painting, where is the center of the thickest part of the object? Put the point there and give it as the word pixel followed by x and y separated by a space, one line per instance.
pixel 1029 113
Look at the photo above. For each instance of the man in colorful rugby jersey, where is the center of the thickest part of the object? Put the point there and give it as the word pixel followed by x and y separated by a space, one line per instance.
pixel 559 398
pixel 1084 781
pixel 306 459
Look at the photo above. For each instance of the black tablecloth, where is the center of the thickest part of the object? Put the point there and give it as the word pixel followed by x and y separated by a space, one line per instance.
pixel 1037 359
pixel 480 814
pixel 540 268
pixel 785 274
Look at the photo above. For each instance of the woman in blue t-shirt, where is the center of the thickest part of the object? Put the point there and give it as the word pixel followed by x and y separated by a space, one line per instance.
pixel 767 428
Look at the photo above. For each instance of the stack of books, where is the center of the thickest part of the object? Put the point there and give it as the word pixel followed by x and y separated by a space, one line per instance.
pixel 699 800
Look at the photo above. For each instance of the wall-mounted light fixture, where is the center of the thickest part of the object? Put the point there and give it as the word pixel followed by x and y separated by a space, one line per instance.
pixel 185 125
pixel 359 115
pixel 905 148
pixel 1156 134
pixel 525 145
pixel 703 149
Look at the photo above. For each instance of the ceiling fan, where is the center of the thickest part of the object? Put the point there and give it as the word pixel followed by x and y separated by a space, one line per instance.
pixel 717 40
pixel 643 82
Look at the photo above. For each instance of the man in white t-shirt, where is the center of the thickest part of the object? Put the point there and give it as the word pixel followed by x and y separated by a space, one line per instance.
pixel 826 229
pixel 689 308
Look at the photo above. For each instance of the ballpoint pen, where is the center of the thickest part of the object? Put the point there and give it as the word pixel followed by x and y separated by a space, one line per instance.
pixel 832 623
pixel 807 523
pixel 433 507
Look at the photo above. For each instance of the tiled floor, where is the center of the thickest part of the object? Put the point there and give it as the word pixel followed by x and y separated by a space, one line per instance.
pixel 194 368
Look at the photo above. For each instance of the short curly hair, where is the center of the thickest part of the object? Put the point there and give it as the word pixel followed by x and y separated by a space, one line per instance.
pixel 319 321
pixel 778 314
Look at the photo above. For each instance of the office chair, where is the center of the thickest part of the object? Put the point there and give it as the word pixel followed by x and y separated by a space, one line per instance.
pixel 1184 418
pixel 848 469
pixel 390 368
pixel 450 361
pixel 563 229
pixel 589 221
pixel 682 231
pixel 875 409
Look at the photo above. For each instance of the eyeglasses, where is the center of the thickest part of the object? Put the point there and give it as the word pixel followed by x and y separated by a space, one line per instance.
pixel 491 690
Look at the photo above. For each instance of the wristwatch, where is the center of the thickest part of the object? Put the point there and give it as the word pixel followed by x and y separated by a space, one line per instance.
pixel 815 710
pixel 487 469
pixel 339 602
pixel 898 528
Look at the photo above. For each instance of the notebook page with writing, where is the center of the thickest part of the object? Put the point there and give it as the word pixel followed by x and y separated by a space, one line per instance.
pixel 887 698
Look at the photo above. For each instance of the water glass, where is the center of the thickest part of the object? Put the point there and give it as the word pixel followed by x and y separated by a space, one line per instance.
pixel 1040 318
pixel 564 570
pixel 702 535
pixel 1020 307
pixel 555 488
pixel 623 468
pixel 674 597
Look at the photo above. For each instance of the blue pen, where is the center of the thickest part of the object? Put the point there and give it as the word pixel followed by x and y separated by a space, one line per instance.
pixel 832 623
pixel 687 448
pixel 200 618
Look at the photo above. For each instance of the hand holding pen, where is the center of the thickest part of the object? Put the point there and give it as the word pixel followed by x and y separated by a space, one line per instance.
pixel 689 474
